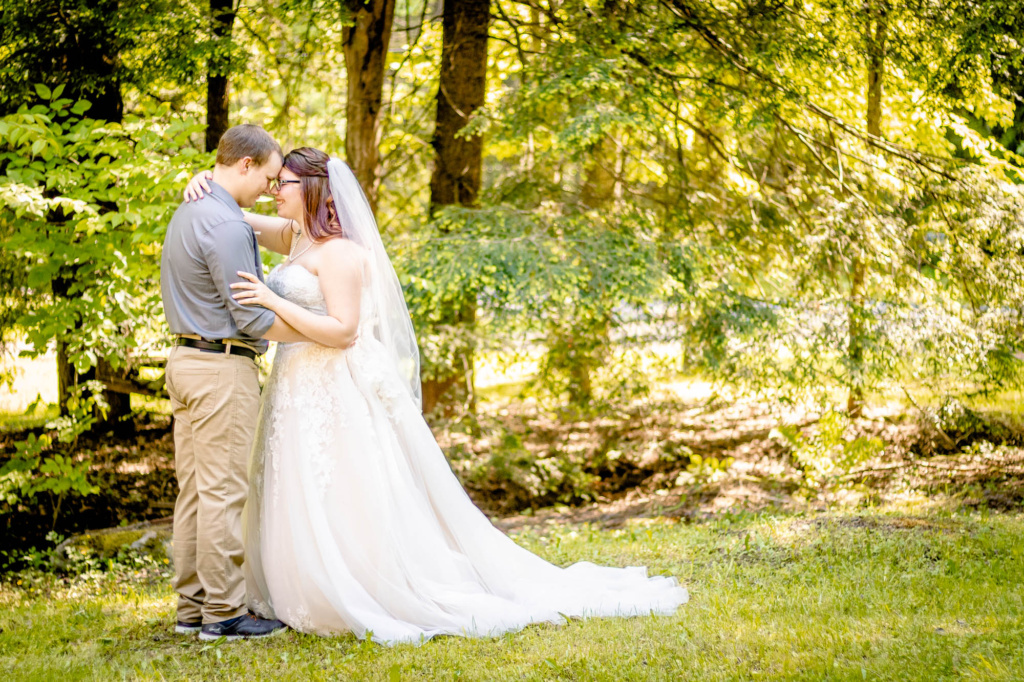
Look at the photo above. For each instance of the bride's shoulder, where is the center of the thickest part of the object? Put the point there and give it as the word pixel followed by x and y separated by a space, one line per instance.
pixel 340 246
pixel 340 251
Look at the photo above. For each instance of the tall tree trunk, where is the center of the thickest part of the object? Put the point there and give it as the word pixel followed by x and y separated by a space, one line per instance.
pixel 218 83
pixel 458 162
pixel 456 177
pixel 875 38
pixel 67 375
pixel 98 59
pixel 366 52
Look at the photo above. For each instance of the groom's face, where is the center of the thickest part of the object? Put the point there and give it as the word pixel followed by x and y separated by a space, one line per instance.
pixel 257 179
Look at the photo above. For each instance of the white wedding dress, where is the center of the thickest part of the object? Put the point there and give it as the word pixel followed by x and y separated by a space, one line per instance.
pixel 356 523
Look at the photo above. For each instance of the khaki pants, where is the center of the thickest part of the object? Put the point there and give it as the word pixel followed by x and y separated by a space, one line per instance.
pixel 215 399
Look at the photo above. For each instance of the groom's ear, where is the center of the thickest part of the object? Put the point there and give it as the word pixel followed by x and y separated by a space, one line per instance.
pixel 244 164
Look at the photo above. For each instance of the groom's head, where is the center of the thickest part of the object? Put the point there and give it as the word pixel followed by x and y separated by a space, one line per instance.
pixel 248 159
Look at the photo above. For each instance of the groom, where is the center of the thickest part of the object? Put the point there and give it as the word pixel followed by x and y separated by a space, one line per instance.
pixel 213 383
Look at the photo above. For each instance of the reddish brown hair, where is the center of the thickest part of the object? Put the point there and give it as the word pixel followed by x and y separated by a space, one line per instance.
pixel 320 215
pixel 246 140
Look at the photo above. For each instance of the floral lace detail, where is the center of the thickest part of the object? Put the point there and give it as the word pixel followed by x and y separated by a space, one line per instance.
pixel 260 607
pixel 386 385
pixel 277 395
pixel 310 369
pixel 298 285
pixel 299 619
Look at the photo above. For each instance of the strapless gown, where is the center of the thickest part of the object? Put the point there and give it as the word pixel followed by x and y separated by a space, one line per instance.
pixel 356 523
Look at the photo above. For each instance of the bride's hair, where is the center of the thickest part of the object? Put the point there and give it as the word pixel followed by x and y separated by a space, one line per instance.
pixel 321 216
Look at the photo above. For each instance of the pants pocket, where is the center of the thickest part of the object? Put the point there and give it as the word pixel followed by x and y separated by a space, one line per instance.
pixel 198 391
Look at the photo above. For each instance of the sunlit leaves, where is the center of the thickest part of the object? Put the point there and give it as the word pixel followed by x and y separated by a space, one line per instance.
pixel 78 199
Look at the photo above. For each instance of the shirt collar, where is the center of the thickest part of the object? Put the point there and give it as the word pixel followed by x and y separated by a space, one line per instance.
pixel 228 200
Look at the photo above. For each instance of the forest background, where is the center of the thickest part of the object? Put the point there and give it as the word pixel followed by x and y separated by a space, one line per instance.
pixel 805 210
pixel 730 289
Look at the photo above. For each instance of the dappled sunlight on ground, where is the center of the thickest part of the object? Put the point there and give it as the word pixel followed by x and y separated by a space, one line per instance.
pixel 689 450
pixel 33 377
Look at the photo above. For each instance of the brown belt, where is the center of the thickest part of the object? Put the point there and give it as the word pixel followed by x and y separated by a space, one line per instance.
pixel 214 347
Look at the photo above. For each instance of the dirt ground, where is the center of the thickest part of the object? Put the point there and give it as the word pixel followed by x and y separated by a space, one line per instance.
pixel 654 458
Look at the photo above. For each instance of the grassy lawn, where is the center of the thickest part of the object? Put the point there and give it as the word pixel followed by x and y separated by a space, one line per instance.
pixel 898 595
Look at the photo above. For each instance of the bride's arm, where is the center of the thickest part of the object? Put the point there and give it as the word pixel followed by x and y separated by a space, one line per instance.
pixel 341 282
pixel 272 232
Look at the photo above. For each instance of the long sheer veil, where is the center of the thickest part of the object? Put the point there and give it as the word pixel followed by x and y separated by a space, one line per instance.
pixel 394 326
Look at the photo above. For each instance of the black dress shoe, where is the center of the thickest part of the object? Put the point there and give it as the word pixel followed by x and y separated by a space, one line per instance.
pixel 188 628
pixel 243 627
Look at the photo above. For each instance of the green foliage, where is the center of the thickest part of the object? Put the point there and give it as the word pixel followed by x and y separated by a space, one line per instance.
pixel 90 561
pixel 827 456
pixel 48 463
pixel 562 282
pixel 105 51
pixel 732 138
pixel 705 469
pixel 288 70
pixel 680 185
pixel 83 209
pixel 83 206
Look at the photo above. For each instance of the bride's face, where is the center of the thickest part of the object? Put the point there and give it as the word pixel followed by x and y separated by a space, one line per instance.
pixel 289 196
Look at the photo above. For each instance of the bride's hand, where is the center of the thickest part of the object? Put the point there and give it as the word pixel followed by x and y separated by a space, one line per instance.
pixel 254 292
pixel 197 185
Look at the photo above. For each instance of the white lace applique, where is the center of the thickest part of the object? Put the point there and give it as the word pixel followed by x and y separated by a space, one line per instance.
pixel 307 367
pixel 260 607
pixel 275 411
pixel 387 390
pixel 315 406
pixel 299 619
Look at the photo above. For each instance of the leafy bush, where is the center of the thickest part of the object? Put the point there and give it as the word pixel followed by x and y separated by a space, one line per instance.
pixel 39 465
pixel 83 208
pixel 825 457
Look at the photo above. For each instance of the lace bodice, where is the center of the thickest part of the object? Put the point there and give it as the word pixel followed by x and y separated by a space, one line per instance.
pixel 300 286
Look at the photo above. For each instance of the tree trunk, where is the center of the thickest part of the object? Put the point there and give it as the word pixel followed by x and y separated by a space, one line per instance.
pixel 456 177
pixel 366 53
pixel 458 162
pixel 98 58
pixel 218 83
pixel 877 27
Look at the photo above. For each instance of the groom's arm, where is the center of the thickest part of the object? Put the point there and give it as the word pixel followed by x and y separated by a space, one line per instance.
pixel 228 248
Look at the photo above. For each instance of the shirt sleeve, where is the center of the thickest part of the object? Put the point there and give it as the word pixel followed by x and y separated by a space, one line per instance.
pixel 228 248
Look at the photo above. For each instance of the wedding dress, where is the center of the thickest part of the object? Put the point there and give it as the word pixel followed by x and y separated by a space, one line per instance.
pixel 356 523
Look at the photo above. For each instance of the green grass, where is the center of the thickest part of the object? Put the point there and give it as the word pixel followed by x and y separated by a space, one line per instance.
pixel 872 595
pixel 28 419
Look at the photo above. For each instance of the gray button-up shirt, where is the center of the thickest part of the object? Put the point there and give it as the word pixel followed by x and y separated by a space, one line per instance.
pixel 207 242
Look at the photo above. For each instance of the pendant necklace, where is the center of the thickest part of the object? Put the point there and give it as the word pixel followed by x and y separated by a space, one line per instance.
pixel 291 253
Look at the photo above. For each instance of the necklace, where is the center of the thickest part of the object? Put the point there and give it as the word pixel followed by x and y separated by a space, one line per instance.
pixel 291 252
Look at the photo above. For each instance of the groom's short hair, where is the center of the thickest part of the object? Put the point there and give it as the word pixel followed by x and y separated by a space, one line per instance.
pixel 245 140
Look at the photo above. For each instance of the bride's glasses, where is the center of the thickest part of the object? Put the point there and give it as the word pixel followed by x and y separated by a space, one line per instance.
pixel 276 184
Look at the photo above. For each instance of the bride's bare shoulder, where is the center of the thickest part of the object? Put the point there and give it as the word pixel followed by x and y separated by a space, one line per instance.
pixel 341 252
pixel 340 246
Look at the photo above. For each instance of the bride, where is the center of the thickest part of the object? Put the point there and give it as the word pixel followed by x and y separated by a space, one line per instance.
pixel 355 522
